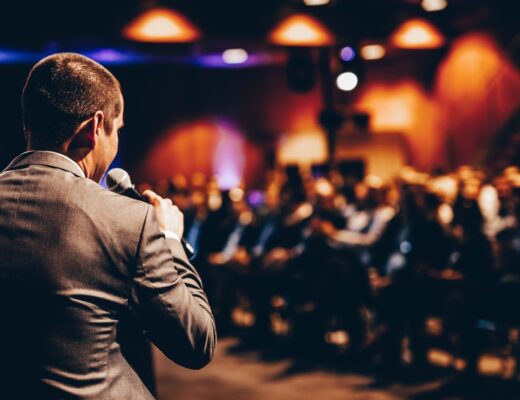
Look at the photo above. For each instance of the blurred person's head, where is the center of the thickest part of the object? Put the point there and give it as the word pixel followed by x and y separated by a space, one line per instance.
pixel 162 187
pixel 360 192
pixel 215 198
pixel 325 194
pixel 237 197
pixel 73 105
pixel 272 195
pixel 198 181
pixel 469 218
pixel 292 192
pixel 369 192
pixel 179 191
pixel 471 188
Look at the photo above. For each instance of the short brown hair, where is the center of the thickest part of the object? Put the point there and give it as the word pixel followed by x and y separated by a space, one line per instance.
pixel 61 91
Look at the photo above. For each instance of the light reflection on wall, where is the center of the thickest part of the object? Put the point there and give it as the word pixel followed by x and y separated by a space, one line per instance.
pixel 302 148
pixel 214 148
pixel 404 106
pixel 478 89
pixel 228 160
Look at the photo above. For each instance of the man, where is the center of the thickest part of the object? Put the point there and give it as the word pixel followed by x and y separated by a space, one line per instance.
pixel 75 257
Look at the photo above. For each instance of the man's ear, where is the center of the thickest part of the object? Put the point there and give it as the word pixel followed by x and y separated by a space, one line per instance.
pixel 88 132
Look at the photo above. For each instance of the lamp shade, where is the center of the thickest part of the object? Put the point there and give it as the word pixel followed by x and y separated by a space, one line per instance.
pixel 417 34
pixel 161 25
pixel 301 30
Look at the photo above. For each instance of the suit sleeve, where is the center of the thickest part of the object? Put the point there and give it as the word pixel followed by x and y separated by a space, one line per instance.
pixel 169 299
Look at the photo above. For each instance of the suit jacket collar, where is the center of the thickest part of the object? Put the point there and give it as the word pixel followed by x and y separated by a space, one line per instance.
pixel 48 158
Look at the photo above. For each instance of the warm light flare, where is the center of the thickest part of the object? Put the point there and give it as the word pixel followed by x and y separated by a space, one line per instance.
pixel 301 30
pixel 372 52
pixel 417 34
pixel 161 25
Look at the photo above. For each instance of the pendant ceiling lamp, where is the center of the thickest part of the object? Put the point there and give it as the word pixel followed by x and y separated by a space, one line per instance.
pixel 301 30
pixel 161 25
pixel 417 34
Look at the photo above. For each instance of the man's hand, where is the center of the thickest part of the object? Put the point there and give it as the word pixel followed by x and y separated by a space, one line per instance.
pixel 169 216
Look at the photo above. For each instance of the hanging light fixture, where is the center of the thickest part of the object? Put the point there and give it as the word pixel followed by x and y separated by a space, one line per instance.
pixel 417 34
pixel 434 5
pixel 161 25
pixel 313 3
pixel 301 30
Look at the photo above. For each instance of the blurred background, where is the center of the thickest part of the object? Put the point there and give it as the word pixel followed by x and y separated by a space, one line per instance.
pixel 348 172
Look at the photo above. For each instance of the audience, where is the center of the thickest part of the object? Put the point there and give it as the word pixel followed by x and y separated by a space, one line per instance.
pixel 367 266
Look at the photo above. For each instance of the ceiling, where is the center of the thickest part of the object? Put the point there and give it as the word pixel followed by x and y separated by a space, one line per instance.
pixel 44 24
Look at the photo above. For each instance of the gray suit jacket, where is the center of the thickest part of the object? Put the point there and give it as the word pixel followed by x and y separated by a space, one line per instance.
pixel 73 258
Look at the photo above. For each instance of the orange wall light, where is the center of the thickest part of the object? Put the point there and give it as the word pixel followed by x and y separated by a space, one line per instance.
pixel 301 30
pixel 161 25
pixel 417 34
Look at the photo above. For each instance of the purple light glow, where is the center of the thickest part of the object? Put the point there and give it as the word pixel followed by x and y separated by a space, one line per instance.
pixel 347 53
pixel 113 56
pixel 255 198
pixel 8 56
pixel 229 159
pixel 216 61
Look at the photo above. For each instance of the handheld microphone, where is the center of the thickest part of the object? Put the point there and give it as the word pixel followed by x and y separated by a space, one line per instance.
pixel 118 181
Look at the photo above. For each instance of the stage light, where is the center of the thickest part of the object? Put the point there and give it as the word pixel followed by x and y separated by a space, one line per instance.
pixel 301 30
pixel 434 5
pixel 417 34
pixel 347 81
pixel 347 53
pixel 316 2
pixel 234 56
pixel 372 52
pixel 161 25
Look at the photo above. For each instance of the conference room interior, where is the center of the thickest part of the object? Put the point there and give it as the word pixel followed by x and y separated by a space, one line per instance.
pixel 348 172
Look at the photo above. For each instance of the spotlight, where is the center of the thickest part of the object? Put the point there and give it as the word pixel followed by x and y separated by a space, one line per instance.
pixel 234 56
pixel 434 5
pixel 372 52
pixel 347 81
pixel 347 53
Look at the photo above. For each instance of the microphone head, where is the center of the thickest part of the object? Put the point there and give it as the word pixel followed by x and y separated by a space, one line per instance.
pixel 118 180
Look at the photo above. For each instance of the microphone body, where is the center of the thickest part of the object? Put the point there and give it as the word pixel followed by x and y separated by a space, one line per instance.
pixel 118 181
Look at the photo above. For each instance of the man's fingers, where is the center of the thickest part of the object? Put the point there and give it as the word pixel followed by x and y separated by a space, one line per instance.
pixel 152 197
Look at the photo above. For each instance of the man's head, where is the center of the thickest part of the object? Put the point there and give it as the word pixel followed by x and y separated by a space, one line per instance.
pixel 72 104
